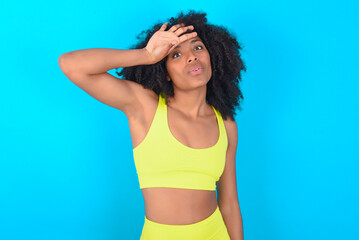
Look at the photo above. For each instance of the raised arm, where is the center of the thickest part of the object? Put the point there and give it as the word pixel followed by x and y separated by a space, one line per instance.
pixel 88 68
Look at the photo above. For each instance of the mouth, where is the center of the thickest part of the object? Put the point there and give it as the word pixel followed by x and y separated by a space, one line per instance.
pixel 196 70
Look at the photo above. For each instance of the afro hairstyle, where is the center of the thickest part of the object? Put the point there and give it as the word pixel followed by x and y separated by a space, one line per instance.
pixel 223 90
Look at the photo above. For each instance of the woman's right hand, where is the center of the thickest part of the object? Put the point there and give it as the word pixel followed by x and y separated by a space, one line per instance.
pixel 163 42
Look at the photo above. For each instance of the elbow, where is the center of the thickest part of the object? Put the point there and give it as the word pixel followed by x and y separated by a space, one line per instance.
pixel 61 62
pixel 64 63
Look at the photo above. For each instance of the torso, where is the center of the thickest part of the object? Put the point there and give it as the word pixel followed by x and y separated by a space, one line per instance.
pixel 173 205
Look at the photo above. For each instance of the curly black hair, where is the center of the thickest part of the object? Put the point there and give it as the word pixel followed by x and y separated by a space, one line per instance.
pixel 223 91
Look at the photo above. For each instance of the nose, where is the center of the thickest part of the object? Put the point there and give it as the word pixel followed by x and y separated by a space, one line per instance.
pixel 191 58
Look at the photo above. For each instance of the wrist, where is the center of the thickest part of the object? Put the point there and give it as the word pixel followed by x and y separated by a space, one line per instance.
pixel 146 56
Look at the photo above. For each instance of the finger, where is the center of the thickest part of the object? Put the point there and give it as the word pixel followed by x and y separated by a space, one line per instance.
pixel 175 27
pixel 187 36
pixel 174 41
pixel 174 44
pixel 164 26
pixel 181 30
pixel 168 37
pixel 173 47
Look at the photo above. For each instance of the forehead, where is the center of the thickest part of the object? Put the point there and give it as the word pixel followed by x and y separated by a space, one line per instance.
pixel 189 41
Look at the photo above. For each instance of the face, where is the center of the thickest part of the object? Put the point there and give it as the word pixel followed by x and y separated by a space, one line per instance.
pixel 188 65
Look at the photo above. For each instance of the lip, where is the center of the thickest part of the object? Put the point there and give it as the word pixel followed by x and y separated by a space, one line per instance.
pixel 200 69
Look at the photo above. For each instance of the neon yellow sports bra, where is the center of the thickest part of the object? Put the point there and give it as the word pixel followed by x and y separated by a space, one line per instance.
pixel 162 161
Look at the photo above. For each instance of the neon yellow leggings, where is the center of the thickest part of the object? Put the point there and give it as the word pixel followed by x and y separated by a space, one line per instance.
pixel 211 228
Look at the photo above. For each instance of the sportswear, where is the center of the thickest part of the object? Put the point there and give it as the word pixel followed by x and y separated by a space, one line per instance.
pixel 211 228
pixel 162 161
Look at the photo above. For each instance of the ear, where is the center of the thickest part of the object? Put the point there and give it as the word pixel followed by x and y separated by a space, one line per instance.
pixel 168 78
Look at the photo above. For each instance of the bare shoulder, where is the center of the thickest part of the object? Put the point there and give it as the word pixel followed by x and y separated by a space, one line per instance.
pixel 232 130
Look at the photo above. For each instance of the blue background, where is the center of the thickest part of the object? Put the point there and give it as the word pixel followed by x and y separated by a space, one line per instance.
pixel 67 170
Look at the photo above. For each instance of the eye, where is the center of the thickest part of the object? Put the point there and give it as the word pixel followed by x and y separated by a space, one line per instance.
pixel 175 55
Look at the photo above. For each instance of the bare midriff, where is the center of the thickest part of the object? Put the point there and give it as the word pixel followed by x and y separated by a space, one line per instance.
pixel 177 206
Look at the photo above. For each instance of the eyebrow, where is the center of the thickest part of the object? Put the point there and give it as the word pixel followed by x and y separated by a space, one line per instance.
pixel 193 41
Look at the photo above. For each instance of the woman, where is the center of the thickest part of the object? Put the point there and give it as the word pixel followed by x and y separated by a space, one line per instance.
pixel 182 85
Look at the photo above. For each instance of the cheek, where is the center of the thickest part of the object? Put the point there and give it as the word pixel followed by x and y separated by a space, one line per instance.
pixel 174 69
pixel 208 57
pixel 169 68
pixel 170 71
pixel 209 60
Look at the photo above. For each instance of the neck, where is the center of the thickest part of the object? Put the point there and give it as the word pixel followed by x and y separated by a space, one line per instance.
pixel 191 103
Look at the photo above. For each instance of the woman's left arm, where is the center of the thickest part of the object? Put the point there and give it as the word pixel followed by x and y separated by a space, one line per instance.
pixel 227 186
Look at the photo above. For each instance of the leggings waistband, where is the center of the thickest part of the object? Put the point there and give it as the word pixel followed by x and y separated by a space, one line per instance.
pixel 211 228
